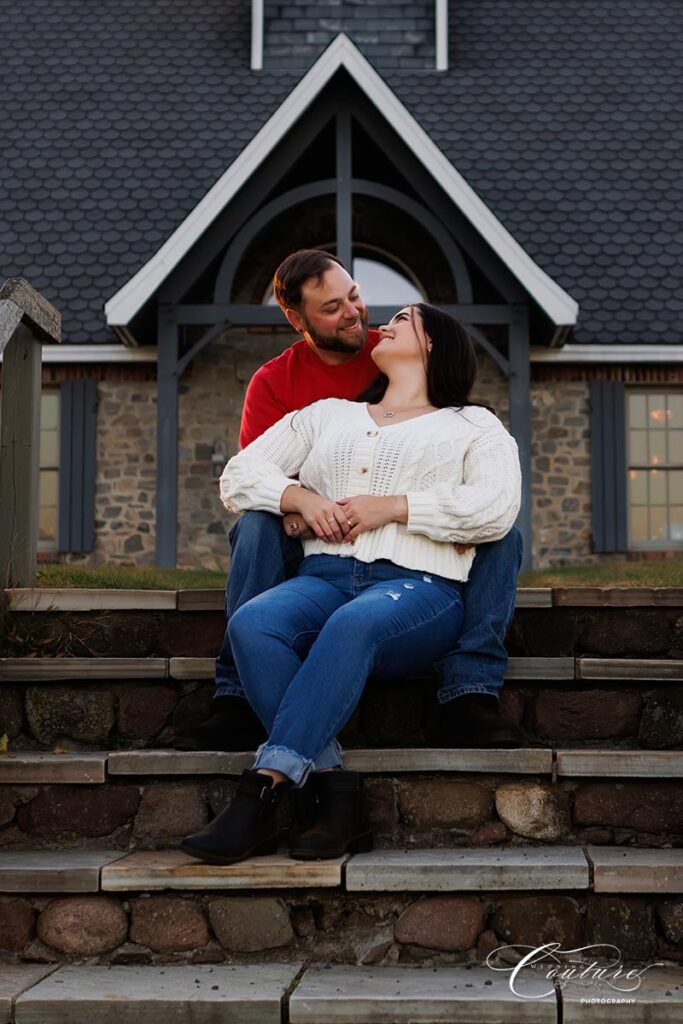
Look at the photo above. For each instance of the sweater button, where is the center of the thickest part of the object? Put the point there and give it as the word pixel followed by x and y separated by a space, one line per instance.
pixel 364 469
pixel 373 433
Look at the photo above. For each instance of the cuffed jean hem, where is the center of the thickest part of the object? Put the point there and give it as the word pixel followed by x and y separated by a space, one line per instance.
pixel 229 690
pixel 295 766
pixel 450 693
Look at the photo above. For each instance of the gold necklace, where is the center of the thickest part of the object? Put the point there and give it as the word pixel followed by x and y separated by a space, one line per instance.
pixel 410 408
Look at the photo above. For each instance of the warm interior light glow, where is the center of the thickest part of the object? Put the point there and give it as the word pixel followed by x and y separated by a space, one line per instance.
pixel 660 415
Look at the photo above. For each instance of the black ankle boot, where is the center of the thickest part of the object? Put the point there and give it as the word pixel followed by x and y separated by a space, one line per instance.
pixel 303 808
pixel 232 725
pixel 340 827
pixel 248 826
pixel 474 720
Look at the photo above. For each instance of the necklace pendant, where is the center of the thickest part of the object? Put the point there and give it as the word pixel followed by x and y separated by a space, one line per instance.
pixel 388 415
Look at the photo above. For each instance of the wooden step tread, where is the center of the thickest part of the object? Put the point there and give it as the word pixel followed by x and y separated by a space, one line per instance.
pixel 660 764
pixel 171 869
pixel 15 979
pixel 46 670
pixel 156 995
pixel 178 762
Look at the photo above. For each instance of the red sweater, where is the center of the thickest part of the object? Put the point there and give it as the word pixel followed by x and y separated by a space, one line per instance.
pixel 298 377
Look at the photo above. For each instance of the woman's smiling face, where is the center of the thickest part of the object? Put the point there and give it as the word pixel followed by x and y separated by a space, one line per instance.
pixel 403 338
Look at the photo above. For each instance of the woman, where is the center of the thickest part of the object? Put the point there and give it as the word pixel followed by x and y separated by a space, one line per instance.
pixel 392 490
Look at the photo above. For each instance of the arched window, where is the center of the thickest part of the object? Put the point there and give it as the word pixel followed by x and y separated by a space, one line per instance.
pixel 383 280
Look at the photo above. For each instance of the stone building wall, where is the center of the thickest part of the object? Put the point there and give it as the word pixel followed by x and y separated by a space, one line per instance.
pixel 210 406
pixel 560 473
pixel 125 486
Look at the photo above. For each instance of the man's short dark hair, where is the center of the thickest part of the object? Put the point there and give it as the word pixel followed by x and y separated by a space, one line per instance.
pixel 295 270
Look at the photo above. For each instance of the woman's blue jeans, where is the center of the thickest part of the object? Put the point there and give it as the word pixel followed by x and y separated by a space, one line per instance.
pixel 305 649
pixel 262 556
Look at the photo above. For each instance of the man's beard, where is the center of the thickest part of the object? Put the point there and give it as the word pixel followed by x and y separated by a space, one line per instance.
pixel 337 343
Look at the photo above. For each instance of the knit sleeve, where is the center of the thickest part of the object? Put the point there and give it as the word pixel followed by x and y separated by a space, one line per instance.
pixel 481 508
pixel 256 477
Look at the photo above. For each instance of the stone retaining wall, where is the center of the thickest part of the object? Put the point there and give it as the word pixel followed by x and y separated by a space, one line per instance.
pixel 396 714
pixel 320 926
pixel 405 811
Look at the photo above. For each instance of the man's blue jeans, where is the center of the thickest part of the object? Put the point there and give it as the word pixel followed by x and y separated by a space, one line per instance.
pixel 264 556
pixel 305 649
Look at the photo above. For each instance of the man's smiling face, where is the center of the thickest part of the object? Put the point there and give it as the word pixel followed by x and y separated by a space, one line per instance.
pixel 333 314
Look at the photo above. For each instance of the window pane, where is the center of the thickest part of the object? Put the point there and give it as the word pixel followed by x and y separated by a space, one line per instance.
pixel 657 444
pixel 676 523
pixel 658 486
pixel 49 410
pixel 659 523
pixel 49 448
pixel 638 447
pixel 675 403
pixel 382 286
pixel 48 487
pixel 637 482
pixel 639 531
pixel 47 523
pixel 676 487
pixel 657 412
pixel 676 447
pixel 637 411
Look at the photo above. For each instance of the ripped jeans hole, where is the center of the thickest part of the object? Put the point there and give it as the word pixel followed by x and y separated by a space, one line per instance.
pixel 427 579
pixel 393 595
pixel 409 586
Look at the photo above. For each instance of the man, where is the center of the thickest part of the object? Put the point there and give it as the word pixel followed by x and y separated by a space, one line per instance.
pixel 332 360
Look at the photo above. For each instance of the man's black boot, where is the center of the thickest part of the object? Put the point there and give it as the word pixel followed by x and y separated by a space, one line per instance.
pixel 341 826
pixel 248 827
pixel 232 725
pixel 474 720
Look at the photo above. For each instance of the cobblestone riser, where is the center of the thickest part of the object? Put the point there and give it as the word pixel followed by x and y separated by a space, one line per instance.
pixel 535 632
pixel 320 926
pixel 132 714
pixel 407 810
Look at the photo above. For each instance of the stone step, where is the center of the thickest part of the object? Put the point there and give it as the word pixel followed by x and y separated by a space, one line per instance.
pixel 49 670
pixel 616 869
pixel 475 995
pixel 50 599
pixel 416 995
pixel 450 870
pixel 273 993
pixel 157 995
pixel 171 869
pixel 45 670
pixel 658 764
pixel 88 768
pixel 605 869
pixel 23 871
pixel 15 979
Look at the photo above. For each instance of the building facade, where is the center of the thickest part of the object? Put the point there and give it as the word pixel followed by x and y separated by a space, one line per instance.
pixel 447 152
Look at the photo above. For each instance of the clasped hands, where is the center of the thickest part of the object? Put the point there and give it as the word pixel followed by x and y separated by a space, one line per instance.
pixel 308 514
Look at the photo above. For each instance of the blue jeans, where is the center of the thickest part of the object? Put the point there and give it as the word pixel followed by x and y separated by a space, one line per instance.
pixel 264 556
pixel 305 649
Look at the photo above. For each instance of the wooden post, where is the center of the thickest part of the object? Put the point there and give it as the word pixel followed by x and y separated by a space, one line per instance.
pixel 26 320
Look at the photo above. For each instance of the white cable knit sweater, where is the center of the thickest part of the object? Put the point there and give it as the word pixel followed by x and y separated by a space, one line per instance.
pixel 459 471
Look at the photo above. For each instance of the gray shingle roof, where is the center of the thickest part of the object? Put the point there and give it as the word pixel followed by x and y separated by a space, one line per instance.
pixel 564 115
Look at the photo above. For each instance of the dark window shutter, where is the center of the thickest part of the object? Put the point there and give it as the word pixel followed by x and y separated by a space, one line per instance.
pixel 608 465
pixel 77 435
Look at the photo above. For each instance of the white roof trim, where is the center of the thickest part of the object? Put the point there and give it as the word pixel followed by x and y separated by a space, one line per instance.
pixel 608 354
pixel 441 34
pixel 559 306
pixel 98 354
pixel 256 35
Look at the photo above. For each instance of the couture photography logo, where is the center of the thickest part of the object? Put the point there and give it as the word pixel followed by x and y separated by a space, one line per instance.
pixel 594 972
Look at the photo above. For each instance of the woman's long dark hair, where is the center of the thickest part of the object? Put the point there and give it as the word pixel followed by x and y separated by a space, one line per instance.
pixel 451 365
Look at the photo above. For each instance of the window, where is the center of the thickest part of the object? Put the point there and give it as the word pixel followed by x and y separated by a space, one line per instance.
pixel 49 471
pixel 654 426
pixel 381 284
